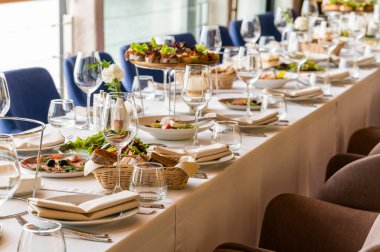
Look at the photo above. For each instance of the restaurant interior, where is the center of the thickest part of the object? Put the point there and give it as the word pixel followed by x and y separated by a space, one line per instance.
pixel 190 125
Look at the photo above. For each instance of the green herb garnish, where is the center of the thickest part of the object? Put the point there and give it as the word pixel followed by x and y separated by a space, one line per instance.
pixel 165 49
pixel 201 48
pixel 153 43
pixel 140 48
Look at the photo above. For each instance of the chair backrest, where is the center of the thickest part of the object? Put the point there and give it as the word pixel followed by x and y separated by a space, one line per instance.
pixel 225 35
pixel 234 29
pixel 130 71
pixel 74 92
pixel 267 26
pixel 364 140
pixel 375 150
pixel 30 90
pixel 356 185
pixel 298 223
pixel 185 37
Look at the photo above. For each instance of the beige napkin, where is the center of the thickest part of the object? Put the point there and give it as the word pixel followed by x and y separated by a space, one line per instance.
pixel 366 60
pixel 52 137
pixel 200 154
pixel 334 75
pixel 308 92
pixel 88 210
pixel 255 120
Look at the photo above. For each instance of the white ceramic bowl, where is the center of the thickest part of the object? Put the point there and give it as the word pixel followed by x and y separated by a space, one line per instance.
pixel 171 134
pixel 275 83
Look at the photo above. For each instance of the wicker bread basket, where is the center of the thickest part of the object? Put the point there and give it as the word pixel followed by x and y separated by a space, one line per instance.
pixel 225 81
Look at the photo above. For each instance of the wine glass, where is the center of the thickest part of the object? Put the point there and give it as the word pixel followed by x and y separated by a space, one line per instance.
pixel 165 40
pixel 42 236
pixel 295 52
pixel 87 76
pixel 357 27
pixel 119 125
pixel 250 30
pixel 309 8
pixel 9 169
pixel 283 20
pixel 61 113
pixel 5 100
pixel 248 68
pixel 196 91
pixel 210 37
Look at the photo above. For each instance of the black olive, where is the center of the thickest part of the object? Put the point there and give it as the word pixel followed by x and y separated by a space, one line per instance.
pixel 63 162
pixel 50 163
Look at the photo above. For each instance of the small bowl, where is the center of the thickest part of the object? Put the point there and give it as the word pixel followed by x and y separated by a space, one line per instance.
pixel 276 83
pixel 171 134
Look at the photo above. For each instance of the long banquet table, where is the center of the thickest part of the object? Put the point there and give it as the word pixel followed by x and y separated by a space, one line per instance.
pixel 230 204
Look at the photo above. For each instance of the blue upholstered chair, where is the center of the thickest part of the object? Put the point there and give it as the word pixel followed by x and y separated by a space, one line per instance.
pixel 74 92
pixel 267 26
pixel 236 37
pixel 30 90
pixel 130 71
pixel 185 37
pixel 226 37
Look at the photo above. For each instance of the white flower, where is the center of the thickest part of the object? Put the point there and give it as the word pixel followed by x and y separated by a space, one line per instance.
pixel 112 72
pixel 301 24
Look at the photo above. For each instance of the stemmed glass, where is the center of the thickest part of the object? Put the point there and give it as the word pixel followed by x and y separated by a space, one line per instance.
pixel 87 76
pixel 309 8
pixel 196 91
pixel 357 27
pixel 248 68
pixel 250 30
pixel 283 20
pixel 295 51
pixel 165 40
pixel 210 37
pixel 119 124
pixel 9 169
pixel 5 100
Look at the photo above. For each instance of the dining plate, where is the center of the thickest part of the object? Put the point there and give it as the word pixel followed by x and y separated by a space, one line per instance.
pixel 51 174
pixel 78 199
pixel 227 102
pixel 42 148
pixel 218 161
pixel 276 83
pixel 171 134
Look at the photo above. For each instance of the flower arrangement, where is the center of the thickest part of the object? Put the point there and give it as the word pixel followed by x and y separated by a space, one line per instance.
pixel 111 75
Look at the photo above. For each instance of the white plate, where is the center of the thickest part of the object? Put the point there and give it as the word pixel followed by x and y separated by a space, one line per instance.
pixel 54 175
pixel 78 199
pixel 218 161
pixel 237 107
pixel 171 134
pixel 42 149
pixel 276 83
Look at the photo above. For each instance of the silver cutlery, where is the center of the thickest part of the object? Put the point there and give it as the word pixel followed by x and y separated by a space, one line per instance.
pixel 98 237
pixel 12 215
pixel 256 134
pixel 152 205
pixel 200 175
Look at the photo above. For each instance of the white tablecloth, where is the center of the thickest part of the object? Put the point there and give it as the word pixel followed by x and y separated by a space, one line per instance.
pixel 229 206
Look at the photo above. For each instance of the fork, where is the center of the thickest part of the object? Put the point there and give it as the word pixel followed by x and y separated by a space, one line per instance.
pixel 76 233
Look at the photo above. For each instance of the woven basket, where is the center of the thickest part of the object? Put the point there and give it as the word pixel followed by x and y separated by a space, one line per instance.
pixel 176 178
pixel 225 81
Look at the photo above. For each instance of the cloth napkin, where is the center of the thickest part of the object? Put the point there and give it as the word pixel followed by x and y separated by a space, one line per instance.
pixel 308 92
pixel 186 163
pixel 366 60
pixel 200 154
pixel 336 74
pixel 52 137
pixel 256 120
pixel 89 210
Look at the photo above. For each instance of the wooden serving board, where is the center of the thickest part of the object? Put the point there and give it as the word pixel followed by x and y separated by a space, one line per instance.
pixel 163 66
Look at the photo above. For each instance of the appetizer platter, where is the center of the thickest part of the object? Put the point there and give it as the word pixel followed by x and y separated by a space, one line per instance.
pixel 240 103
pixel 56 165
pixel 346 6
pixel 173 56
pixel 308 66
pixel 171 128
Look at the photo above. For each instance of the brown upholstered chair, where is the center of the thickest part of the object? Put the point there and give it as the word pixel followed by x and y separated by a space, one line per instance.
pixel 338 161
pixel 356 185
pixel 363 141
pixel 297 223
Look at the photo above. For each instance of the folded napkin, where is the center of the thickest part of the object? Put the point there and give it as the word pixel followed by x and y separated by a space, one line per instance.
pixel 89 210
pixel 52 137
pixel 200 154
pixel 334 75
pixel 308 92
pixel 367 60
pixel 27 184
pixel 255 120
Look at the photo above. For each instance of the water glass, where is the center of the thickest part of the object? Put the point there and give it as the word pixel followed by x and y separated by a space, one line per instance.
pixel 210 37
pixel 42 236
pixel 227 132
pixel 265 41
pixel 5 100
pixel 165 40
pixel 143 88
pixel 148 180
pixel 275 102
pixel 61 113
